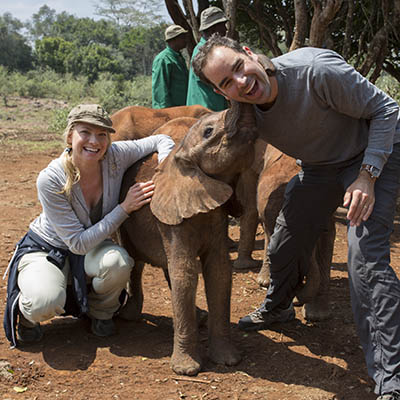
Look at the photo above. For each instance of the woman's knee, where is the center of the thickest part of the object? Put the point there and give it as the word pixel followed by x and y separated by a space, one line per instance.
pixel 41 305
pixel 114 268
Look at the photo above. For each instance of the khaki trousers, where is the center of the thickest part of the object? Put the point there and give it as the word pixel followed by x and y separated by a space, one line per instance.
pixel 43 285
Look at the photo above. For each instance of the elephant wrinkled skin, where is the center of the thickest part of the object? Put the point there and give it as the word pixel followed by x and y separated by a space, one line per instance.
pixel 185 231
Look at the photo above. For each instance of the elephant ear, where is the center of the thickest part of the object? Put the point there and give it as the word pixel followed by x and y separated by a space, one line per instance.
pixel 183 190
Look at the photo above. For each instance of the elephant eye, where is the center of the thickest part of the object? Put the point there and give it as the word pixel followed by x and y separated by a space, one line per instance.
pixel 207 133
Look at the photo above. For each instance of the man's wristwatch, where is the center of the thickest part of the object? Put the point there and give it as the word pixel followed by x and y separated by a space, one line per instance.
pixel 372 171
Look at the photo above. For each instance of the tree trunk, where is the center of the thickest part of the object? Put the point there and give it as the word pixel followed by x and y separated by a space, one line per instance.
pixel 267 35
pixel 348 30
pixel 301 24
pixel 230 7
pixel 194 22
pixel 324 13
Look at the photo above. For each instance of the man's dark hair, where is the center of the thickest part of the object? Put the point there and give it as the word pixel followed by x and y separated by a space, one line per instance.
pixel 216 40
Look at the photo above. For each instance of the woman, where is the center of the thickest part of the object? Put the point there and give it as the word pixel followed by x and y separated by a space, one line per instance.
pixel 69 244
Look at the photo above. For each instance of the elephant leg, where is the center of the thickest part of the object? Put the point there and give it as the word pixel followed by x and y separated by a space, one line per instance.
pixel 183 271
pixel 132 309
pixel 307 292
pixel 264 273
pixel 318 309
pixel 246 191
pixel 202 315
pixel 217 273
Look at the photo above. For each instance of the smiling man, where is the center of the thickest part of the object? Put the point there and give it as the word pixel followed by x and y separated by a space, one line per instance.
pixel 345 132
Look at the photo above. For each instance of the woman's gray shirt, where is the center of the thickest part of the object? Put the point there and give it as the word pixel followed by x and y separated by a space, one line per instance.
pixel 66 223
pixel 327 113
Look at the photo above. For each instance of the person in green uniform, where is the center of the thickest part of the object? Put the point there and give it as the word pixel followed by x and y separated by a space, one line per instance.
pixel 169 73
pixel 212 20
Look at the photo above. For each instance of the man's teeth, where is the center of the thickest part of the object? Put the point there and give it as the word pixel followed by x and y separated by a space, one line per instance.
pixel 251 87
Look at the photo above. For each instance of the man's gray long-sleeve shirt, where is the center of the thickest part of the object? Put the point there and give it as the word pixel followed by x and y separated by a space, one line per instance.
pixel 66 223
pixel 327 113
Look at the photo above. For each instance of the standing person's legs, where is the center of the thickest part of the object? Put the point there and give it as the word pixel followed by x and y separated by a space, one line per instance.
pixel 310 200
pixel 42 293
pixel 374 286
pixel 109 267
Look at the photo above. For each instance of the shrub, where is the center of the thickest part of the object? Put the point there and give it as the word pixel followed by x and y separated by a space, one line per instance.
pixel 6 87
pixel 113 93
pixel 58 121
pixel 390 86
pixel 73 89
pixel 139 91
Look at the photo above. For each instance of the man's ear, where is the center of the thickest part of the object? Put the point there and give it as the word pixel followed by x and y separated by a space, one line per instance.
pixel 247 50
pixel 250 53
pixel 219 92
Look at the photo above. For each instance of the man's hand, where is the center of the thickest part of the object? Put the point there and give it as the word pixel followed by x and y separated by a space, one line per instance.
pixel 360 198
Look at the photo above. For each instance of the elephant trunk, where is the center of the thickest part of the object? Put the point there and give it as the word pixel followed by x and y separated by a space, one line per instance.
pixel 239 116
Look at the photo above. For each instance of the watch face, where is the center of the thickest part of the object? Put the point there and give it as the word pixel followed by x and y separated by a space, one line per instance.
pixel 373 171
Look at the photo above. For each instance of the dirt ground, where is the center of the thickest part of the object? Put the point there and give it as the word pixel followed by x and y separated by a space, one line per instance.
pixel 293 361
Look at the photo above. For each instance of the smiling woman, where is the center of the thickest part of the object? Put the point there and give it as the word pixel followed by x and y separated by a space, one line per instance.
pixel 79 195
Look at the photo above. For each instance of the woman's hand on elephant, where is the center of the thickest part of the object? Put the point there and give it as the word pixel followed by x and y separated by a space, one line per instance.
pixel 360 199
pixel 138 195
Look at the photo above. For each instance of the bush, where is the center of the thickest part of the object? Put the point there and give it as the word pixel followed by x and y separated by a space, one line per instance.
pixel 58 121
pixel 139 91
pixel 73 89
pixel 390 86
pixel 6 87
pixel 113 93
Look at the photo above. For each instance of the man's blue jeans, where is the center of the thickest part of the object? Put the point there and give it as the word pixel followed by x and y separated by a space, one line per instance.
pixel 310 199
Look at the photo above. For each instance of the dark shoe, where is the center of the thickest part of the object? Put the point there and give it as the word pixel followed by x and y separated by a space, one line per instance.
pixel 395 395
pixel 258 320
pixel 28 332
pixel 103 327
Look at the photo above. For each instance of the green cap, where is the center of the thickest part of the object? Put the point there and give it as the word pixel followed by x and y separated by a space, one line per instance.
pixel 93 114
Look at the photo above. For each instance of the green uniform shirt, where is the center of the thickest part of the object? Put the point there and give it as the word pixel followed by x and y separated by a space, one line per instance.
pixel 201 93
pixel 169 79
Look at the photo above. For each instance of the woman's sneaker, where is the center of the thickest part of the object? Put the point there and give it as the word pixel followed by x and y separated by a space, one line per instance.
pixel 27 332
pixel 103 327
pixel 259 320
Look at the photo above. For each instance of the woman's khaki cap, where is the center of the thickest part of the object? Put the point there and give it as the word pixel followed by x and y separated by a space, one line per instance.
pixel 173 31
pixel 93 114
pixel 211 16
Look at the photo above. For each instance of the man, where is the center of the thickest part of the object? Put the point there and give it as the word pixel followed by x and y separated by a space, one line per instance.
pixel 212 20
pixel 169 72
pixel 315 107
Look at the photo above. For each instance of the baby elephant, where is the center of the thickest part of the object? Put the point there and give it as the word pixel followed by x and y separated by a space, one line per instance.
pixel 186 229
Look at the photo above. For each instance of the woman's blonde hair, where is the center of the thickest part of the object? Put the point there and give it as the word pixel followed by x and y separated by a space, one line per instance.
pixel 71 170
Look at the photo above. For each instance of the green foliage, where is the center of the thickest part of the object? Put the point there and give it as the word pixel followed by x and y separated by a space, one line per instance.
pixel 140 46
pixel 6 88
pixel 15 53
pixel 92 60
pixel 85 31
pixel 42 23
pixel 52 52
pixel 73 89
pixel 114 93
pixel 390 86
pixel 139 13
pixel 58 121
